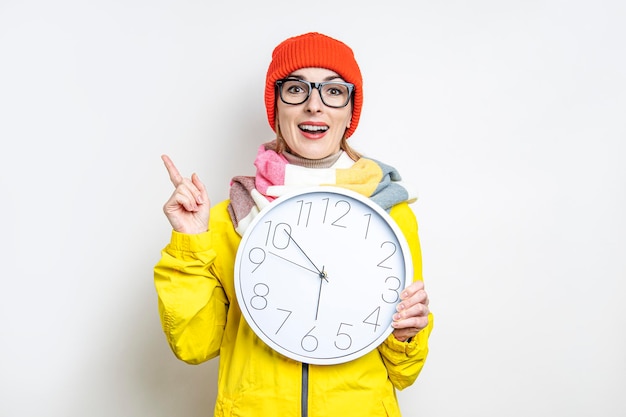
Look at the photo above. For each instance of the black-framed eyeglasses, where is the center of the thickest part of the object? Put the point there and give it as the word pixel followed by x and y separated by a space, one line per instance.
pixel 334 94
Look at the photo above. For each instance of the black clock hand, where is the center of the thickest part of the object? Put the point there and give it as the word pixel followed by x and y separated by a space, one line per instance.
pixel 322 274
pixel 295 263
pixel 319 294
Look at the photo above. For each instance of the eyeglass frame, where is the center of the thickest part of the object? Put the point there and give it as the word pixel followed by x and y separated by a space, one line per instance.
pixel 318 87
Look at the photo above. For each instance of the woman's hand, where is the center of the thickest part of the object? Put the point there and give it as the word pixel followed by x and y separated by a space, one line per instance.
pixel 412 315
pixel 188 208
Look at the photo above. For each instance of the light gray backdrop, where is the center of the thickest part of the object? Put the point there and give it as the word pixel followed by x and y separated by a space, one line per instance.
pixel 507 117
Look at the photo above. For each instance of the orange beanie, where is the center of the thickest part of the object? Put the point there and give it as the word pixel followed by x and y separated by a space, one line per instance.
pixel 313 50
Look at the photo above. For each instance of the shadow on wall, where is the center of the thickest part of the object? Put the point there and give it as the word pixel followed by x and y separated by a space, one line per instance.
pixel 130 371
pixel 123 366
pixel 170 387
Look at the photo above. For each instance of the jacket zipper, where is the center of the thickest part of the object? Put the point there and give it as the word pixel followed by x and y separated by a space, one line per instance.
pixel 304 399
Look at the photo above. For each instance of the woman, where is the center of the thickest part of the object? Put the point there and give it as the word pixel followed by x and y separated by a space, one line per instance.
pixel 313 98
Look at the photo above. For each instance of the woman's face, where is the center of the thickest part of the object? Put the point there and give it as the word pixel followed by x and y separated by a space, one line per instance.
pixel 313 130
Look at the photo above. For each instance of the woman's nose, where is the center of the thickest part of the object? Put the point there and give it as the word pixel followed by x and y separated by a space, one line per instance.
pixel 314 102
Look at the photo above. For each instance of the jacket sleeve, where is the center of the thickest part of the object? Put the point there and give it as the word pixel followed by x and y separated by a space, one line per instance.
pixel 405 360
pixel 192 302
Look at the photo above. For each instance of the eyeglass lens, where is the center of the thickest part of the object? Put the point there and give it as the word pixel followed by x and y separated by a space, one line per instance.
pixel 297 92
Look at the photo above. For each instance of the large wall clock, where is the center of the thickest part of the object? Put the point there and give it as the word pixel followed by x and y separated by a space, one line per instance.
pixel 319 273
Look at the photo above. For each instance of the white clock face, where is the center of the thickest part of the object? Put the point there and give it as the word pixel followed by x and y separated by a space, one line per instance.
pixel 319 273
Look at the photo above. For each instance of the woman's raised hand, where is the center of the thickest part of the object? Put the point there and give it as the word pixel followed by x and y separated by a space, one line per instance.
pixel 188 208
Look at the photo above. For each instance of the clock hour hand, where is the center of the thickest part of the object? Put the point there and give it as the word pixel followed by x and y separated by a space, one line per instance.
pixel 322 274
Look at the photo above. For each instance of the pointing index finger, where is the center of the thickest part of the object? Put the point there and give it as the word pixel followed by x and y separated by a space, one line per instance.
pixel 175 176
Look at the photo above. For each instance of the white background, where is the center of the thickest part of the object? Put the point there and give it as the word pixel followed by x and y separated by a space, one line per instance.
pixel 507 116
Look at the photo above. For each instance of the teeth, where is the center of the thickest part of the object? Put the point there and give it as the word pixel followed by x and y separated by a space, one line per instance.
pixel 312 128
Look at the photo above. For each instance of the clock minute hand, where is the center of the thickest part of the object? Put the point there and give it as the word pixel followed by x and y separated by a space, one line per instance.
pixel 322 274
pixel 319 294
pixel 295 263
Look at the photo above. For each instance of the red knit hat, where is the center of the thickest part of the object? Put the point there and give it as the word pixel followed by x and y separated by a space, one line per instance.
pixel 313 50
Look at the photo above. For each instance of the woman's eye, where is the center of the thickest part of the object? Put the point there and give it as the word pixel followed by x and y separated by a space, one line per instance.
pixel 335 90
pixel 295 89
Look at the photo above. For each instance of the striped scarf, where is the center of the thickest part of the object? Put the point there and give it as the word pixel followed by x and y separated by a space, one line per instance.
pixel 275 176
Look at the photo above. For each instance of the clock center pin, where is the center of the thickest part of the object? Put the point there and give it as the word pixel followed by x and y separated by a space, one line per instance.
pixel 324 275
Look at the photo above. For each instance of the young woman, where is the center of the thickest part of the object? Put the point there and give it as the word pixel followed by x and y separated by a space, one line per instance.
pixel 313 98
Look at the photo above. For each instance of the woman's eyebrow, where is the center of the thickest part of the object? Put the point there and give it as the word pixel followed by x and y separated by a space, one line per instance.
pixel 329 78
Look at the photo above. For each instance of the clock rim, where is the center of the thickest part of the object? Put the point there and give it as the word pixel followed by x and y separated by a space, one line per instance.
pixel 408 265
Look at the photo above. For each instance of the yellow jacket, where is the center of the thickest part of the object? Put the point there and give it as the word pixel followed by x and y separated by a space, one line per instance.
pixel 201 320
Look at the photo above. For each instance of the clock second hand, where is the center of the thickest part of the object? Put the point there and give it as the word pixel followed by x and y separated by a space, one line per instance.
pixel 322 274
